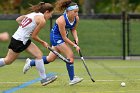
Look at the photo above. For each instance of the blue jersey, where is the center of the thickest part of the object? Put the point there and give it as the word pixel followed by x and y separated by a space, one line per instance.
pixel 55 36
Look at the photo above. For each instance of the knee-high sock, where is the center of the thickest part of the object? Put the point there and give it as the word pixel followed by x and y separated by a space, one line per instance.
pixel 70 69
pixel 32 63
pixel 40 67
pixel 2 63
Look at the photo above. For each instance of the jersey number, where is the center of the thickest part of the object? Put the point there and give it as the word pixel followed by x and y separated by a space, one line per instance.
pixel 25 22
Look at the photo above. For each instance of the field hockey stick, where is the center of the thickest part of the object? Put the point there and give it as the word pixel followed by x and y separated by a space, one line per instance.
pixel 59 55
pixel 83 60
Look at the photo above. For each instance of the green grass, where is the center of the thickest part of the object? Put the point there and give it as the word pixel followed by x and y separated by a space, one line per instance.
pixel 134 37
pixel 100 37
pixel 96 37
pixel 107 73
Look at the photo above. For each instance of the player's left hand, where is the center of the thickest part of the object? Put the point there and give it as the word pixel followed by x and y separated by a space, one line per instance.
pixel 77 48
pixel 45 44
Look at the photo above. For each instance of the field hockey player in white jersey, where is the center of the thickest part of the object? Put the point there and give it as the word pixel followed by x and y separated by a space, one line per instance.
pixel 29 26
pixel 59 40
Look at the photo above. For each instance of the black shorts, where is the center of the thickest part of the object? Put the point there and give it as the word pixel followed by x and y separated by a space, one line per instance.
pixel 18 46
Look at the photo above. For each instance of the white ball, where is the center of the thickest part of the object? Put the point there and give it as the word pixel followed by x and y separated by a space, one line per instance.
pixel 123 84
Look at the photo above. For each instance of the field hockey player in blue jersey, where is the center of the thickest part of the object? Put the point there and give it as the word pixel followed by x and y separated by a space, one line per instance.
pixel 59 40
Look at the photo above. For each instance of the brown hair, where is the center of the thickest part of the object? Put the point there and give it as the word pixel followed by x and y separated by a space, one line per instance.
pixel 42 7
pixel 61 5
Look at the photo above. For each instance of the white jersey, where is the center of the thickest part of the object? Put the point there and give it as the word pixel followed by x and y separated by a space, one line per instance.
pixel 26 28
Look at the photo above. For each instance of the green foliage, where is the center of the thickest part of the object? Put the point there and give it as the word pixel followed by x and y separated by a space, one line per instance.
pixel 113 7
pixel 116 6
pixel 99 6
pixel 26 3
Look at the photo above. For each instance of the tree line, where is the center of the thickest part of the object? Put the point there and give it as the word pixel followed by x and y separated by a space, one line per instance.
pixel 86 6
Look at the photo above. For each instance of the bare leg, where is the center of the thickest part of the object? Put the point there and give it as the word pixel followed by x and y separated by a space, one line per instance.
pixel 36 52
pixel 63 48
pixel 10 58
pixel 46 59
pixel 66 50
pixel 51 57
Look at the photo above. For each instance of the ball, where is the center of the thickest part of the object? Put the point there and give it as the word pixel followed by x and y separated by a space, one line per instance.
pixel 123 84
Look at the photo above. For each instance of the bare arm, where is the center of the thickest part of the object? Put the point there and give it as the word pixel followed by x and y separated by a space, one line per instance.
pixel 74 32
pixel 20 18
pixel 61 24
pixel 40 24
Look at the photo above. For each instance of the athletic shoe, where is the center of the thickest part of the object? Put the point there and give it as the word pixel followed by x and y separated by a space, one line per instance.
pixel 48 80
pixel 75 80
pixel 26 66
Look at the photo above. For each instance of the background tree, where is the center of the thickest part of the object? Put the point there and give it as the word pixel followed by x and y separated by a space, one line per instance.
pixel 134 5
pixel 124 5
pixel 16 5
pixel 85 6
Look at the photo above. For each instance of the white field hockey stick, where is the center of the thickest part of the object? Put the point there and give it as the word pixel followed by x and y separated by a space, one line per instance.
pixel 83 60
pixel 59 55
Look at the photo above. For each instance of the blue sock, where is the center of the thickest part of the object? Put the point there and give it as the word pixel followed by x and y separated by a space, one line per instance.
pixel 32 63
pixel 45 60
pixel 70 69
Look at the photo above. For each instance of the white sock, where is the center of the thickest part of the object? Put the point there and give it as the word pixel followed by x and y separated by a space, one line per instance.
pixel 40 67
pixel 2 63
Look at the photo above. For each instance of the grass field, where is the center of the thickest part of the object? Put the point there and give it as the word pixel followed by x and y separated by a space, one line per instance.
pixel 107 73
pixel 95 36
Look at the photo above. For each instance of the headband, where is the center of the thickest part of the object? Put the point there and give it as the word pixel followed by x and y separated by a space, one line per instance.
pixel 72 7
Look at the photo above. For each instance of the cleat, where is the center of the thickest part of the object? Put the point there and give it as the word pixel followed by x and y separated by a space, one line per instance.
pixel 75 80
pixel 48 80
pixel 26 66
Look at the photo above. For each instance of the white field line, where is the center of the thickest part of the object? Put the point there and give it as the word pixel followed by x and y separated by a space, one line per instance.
pixel 121 67
pixel 112 80
pixel 114 91
pixel 11 82
pixel 120 91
